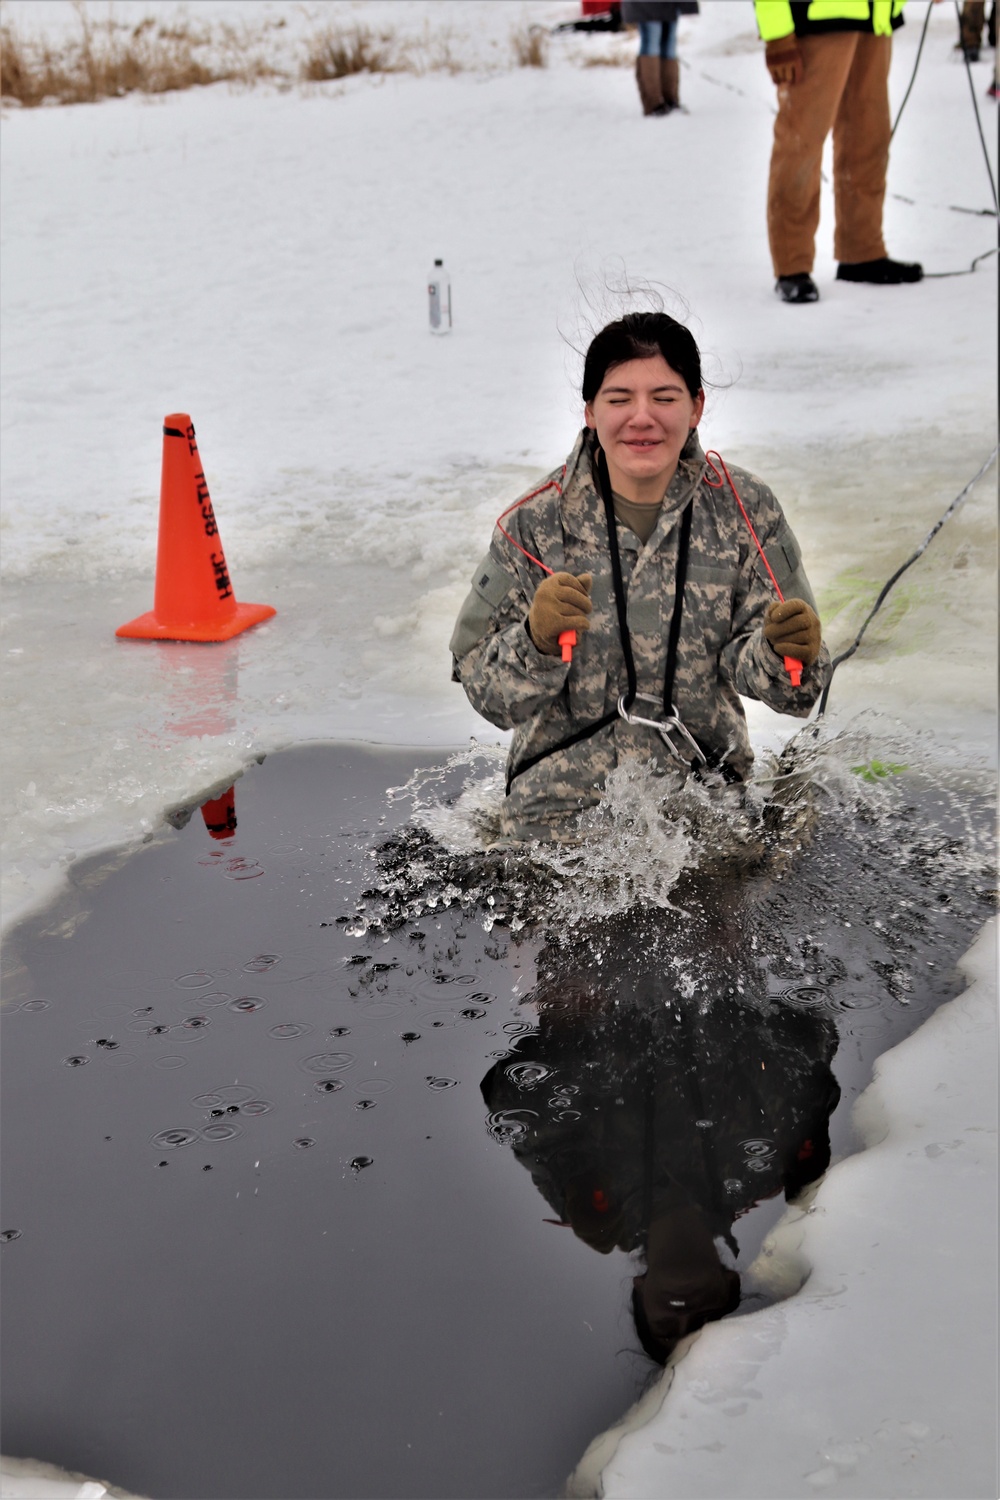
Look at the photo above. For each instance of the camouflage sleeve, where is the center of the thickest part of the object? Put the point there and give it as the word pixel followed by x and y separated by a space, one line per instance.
pixel 747 660
pixel 505 677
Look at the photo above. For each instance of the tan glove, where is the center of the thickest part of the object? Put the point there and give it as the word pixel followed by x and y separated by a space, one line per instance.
pixel 792 628
pixel 784 60
pixel 561 603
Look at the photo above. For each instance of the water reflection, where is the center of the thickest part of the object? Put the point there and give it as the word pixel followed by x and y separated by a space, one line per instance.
pixel 651 1120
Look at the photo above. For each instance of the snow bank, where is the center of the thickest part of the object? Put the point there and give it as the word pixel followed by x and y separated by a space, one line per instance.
pixel 879 1378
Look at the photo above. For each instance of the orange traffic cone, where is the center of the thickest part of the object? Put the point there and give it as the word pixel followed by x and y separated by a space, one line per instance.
pixel 220 814
pixel 194 599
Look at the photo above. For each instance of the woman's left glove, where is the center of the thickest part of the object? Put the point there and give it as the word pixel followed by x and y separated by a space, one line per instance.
pixel 792 628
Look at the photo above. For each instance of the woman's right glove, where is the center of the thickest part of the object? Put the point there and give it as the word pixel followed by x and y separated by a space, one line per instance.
pixel 561 603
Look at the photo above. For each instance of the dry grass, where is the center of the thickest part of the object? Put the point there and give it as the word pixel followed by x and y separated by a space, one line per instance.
pixel 531 46
pixel 338 54
pixel 102 61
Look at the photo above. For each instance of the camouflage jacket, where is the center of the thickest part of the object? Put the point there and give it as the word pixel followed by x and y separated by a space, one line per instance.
pixel 721 653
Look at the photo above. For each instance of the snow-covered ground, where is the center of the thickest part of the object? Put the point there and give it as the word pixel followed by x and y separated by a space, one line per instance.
pixel 258 258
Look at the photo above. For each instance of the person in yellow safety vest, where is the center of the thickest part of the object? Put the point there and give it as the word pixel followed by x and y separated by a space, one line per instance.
pixel 830 61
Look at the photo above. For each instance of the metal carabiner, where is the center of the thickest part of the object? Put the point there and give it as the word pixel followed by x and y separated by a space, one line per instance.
pixel 665 728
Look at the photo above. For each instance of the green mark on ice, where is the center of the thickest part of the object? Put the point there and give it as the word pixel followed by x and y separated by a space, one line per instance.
pixel 877 770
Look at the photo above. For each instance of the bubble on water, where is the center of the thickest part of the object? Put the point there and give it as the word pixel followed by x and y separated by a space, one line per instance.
pixel 193 1023
pixel 217 1113
pixel 527 1075
pixel 34 1005
pixel 232 1109
pixel 339 1031
pixel 365 1104
pixel 409 1036
pixel 206 1168
pixel 733 1185
pixel 329 1085
pixel 472 1014
pixel 255 1107
pixel 228 1093
pixel 508 1125
pixel 360 1162
pixel 78 1060
pixel 356 927
pixel 225 1130
pixel 242 869
pixel 247 1004
pixel 159 1030
pixel 441 1083
pixel 303 1142
pixel 143 1010
pixel 327 1062
pixel 6 1235
pixel 198 980
pixel 288 1031
pixel 174 1138
pixel 704 1124
pixel 262 963
pixel 108 1043
pixel 758 1146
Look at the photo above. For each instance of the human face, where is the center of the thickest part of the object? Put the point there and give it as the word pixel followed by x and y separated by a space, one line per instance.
pixel 643 414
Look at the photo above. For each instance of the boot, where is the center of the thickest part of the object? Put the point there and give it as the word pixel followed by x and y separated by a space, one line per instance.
pixel 670 82
pixel 647 76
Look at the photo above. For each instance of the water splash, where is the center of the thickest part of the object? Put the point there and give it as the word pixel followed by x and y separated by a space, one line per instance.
pixel 647 836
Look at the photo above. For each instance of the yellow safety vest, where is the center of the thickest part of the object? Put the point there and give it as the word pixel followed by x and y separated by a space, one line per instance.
pixel 774 17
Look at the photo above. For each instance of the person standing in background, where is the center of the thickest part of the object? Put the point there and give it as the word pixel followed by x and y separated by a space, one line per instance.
pixel 657 71
pixel 830 62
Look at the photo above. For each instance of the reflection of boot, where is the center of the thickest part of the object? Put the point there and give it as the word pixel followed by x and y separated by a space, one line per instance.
pixel 670 82
pixel 647 76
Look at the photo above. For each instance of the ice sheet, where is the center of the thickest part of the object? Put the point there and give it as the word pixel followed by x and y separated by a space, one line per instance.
pixel 257 258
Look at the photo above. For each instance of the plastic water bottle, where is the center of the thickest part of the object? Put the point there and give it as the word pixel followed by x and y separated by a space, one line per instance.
pixel 439 296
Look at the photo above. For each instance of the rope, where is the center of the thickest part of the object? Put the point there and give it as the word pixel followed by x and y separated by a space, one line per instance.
pixel 979 123
pixel 952 508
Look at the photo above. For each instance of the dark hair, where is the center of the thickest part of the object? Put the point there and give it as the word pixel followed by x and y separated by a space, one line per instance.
pixel 642 335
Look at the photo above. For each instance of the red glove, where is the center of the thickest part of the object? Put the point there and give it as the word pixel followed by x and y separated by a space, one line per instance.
pixel 784 60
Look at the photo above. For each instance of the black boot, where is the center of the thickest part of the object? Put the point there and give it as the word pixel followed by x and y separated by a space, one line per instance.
pixel 797 288
pixel 882 272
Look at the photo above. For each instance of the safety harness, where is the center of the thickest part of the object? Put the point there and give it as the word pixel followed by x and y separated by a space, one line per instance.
pixel 687 751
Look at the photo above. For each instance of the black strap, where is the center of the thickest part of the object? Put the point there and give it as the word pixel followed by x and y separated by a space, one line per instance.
pixel 673 639
pixel 621 601
pixel 621 606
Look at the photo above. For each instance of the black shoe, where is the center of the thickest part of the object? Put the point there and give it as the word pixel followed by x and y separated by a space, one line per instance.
pixel 797 288
pixel 882 272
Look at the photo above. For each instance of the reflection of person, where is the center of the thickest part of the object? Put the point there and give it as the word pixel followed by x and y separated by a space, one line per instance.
pixel 830 61
pixel 651 1125
pixel 654 567
pixel 657 71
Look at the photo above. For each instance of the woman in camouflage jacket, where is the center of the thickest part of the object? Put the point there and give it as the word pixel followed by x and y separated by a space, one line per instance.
pixel 638 468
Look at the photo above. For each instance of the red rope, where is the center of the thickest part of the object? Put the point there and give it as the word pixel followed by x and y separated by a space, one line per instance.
pixel 717 484
pixel 551 484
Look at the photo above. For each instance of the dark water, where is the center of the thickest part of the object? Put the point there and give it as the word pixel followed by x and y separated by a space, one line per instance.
pixel 296 1209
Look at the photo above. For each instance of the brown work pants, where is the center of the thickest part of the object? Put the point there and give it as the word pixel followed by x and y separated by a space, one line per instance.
pixel 845 87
